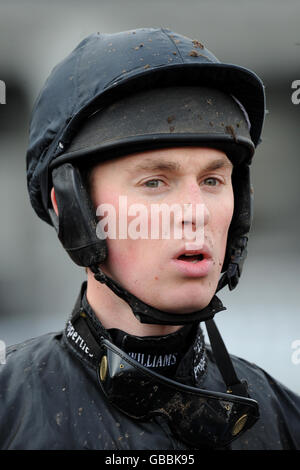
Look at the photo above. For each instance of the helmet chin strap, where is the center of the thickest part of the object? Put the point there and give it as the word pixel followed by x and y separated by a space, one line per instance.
pixel 147 314
pixel 151 315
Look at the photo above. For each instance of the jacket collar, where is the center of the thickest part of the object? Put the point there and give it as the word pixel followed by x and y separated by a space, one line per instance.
pixel 83 332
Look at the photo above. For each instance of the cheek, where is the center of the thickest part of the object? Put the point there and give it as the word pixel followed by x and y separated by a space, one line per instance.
pixel 224 236
pixel 131 262
pixel 105 196
pixel 225 211
pixel 121 254
pixel 221 223
pixel 225 217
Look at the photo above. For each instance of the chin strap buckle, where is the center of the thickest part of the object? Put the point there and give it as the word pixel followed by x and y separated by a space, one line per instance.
pixel 239 254
pixel 235 266
pixel 240 388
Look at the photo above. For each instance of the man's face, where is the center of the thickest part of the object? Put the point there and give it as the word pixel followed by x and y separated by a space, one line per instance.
pixel 157 270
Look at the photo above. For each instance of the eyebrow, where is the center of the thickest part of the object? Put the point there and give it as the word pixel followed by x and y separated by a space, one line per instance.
pixel 220 163
pixel 165 165
pixel 157 165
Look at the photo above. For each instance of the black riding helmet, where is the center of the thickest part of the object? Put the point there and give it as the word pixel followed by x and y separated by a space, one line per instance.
pixel 109 76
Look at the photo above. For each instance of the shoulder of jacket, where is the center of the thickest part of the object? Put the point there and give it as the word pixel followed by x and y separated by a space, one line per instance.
pixel 29 352
pixel 33 344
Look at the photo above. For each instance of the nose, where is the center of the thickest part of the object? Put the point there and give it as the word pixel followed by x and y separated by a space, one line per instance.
pixel 194 205
pixel 195 213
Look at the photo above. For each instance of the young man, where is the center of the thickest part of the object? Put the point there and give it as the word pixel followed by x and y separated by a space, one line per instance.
pixel 139 156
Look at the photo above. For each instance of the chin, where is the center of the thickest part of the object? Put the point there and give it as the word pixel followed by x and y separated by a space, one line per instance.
pixel 186 304
pixel 188 309
pixel 192 300
pixel 183 297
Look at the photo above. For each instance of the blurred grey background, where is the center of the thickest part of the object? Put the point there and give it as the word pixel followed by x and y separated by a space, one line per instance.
pixel 38 282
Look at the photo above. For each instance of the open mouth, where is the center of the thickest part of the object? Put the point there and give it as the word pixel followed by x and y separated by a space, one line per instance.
pixel 193 263
pixel 191 258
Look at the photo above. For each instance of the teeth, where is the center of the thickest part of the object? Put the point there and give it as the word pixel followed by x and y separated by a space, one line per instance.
pixel 196 258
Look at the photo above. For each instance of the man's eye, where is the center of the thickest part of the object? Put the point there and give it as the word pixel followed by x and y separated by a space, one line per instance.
pixel 211 181
pixel 152 183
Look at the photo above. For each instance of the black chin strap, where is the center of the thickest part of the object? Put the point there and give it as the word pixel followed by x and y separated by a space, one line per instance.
pixel 150 315
pixel 224 363
pixel 235 266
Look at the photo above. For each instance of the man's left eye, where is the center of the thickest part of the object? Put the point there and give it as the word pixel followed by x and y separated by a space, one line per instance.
pixel 211 181
pixel 152 183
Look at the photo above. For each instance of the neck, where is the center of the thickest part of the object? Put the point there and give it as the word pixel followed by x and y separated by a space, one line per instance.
pixel 114 312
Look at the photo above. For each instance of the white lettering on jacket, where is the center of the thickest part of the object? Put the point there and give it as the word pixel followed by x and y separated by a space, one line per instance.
pixel 153 360
pixel 77 339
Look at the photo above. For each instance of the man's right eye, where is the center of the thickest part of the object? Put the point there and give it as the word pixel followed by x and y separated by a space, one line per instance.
pixel 154 183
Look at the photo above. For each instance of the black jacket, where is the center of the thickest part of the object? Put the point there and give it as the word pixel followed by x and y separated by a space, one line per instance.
pixel 50 398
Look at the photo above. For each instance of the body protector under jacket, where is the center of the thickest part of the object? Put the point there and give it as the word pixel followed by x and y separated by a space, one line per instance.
pixel 50 398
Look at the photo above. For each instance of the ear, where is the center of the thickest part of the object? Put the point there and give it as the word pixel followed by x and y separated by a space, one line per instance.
pixel 53 200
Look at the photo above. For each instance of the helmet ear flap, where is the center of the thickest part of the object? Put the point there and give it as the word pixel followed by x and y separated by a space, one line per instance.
pixel 236 251
pixel 76 222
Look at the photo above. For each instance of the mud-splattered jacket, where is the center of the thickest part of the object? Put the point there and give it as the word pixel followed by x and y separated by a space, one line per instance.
pixel 50 398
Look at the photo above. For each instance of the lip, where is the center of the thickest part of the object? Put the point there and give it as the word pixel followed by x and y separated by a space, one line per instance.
pixel 187 268
pixel 204 250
